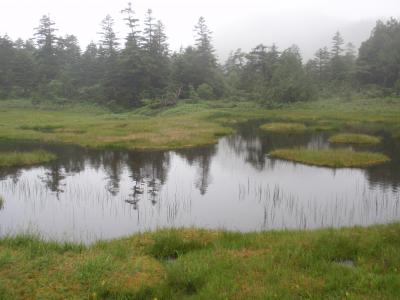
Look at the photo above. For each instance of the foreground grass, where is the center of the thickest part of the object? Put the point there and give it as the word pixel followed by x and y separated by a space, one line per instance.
pixel 196 264
pixel 20 159
pixel 284 127
pixel 184 125
pixel 353 138
pixel 336 158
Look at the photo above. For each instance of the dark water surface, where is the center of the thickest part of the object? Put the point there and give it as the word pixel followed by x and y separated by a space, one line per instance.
pixel 88 195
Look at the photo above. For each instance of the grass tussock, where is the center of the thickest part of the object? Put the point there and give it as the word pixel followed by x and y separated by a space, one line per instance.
pixel 284 127
pixel 335 158
pixel 353 138
pixel 171 244
pixel 355 263
pixel 20 159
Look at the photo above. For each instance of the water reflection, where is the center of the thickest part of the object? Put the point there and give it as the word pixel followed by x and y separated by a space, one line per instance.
pixel 87 195
pixel 201 159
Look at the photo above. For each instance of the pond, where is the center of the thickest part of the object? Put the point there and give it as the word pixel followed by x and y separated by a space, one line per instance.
pixel 88 195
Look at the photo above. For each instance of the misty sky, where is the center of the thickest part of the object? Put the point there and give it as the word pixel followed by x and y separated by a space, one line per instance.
pixel 235 23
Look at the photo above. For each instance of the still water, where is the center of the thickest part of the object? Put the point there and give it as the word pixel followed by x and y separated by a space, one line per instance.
pixel 88 195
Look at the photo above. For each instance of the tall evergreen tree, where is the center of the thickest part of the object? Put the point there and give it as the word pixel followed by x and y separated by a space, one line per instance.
pixel 160 40
pixel 337 45
pixel 132 23
pixel 108 58
pixel 322 58
pixel 338 67
pixel 46 54
pixel 109 41
pixel 149 29
pixel 45 35
pixel 205 61
pixel 203 43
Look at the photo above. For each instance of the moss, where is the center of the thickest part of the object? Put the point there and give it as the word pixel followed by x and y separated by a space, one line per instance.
pixel 18 159
pixel 336 158
pixel 284 127
pixel 352 138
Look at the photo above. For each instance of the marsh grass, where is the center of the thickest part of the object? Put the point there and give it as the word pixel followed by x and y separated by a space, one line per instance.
pixel 353 138
pixel 284 127
pixel 20 159
pixel 335 158
pixel 184 125
pixel 221 265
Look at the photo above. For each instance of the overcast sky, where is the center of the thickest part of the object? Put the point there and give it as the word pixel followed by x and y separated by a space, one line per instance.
pixel 235 23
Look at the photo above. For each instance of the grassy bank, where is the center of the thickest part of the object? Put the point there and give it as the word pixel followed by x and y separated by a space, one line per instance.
pixel 353 138
pixel 336 158
pixel 184 125
pixel 21 159
pixel 349 263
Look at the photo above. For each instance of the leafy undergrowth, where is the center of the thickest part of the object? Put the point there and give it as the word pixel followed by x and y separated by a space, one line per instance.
pixel 18 159
pixel 284 127
pixel 196 264
pixel 353 138
pixel 336 158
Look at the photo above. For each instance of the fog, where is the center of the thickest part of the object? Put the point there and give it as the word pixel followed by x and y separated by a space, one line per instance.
pixel 235 23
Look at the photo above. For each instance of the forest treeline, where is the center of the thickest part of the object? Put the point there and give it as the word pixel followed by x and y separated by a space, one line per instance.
pixel 140 66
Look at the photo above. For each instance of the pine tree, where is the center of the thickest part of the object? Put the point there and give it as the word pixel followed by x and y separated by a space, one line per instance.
pixel 205 62
pixel 46 54
pixel 203 37
pixel 109 40
pixel 337 45
pixel 322 58
pixel 133 37
pixel 149 30
pixel 45 37
pixel 160 40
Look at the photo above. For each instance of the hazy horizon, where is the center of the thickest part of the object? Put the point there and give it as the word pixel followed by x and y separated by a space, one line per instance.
pixel 235 24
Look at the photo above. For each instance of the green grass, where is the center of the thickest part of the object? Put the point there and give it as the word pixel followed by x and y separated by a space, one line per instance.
pixel 18 159
pixel 354 263
pixel 284 127
pixel 188 124
pixel 353 138
pixel 336 158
